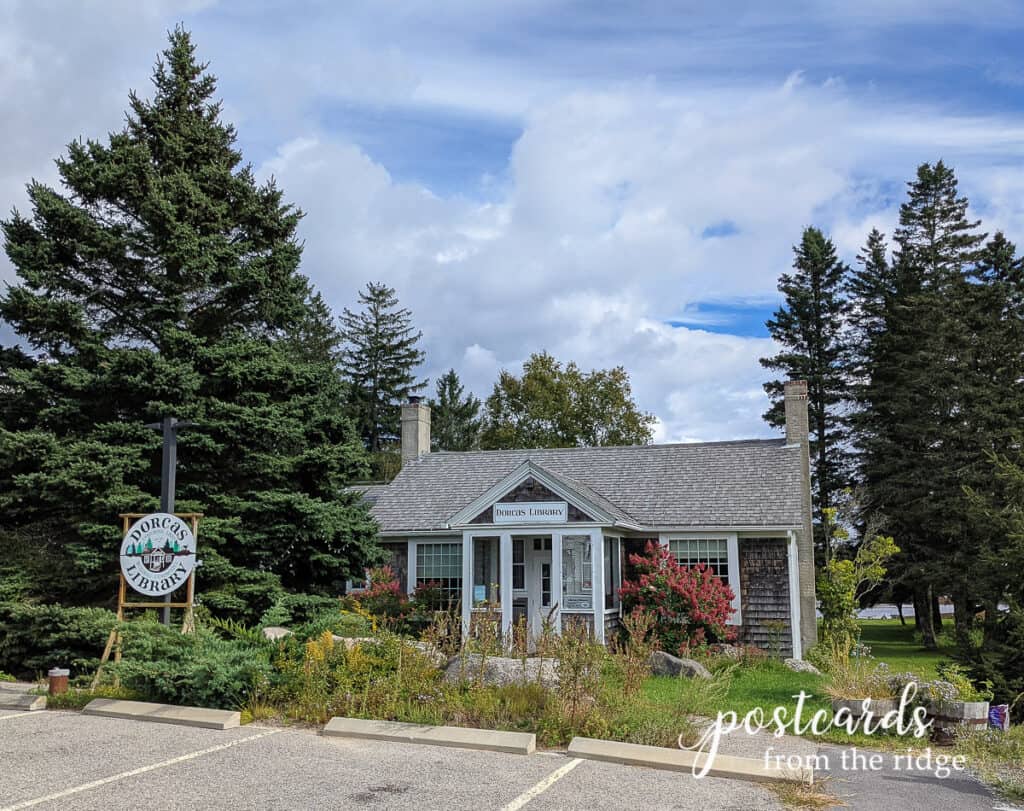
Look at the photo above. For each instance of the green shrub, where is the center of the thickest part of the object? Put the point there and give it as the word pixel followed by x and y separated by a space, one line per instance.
pixel 34 638
pixel 338 621
pixel 296 609
pixel 198 669
pixel 999 660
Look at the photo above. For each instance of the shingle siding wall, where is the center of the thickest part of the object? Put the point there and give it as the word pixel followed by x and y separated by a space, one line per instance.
pixel 764 594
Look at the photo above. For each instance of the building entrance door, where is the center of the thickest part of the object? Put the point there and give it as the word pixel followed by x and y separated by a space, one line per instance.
pixel 539 585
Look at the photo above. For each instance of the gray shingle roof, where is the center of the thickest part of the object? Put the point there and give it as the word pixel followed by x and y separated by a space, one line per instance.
pixel 369 492
pixel 748 483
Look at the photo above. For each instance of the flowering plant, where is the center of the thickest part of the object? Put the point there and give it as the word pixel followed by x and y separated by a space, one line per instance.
pixel 690 604
pixel 384 597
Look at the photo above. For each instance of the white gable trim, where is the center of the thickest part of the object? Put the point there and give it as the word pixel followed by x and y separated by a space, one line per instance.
pixel 526 471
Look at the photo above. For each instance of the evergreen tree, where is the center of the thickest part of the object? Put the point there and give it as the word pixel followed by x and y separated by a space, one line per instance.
pixel 379 360
pixel 163 280
pixel 908 426
pixel 454 416
pixel 809 327
pixel 869 290
pixel 552 406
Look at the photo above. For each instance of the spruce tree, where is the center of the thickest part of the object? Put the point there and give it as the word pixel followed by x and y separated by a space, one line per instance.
pixel 809 327
pixel 379 360
pixel 454 416
pixel 908 425
pixel 163 280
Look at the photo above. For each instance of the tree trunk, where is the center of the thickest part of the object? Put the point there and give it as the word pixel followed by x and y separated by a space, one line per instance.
pixel 963 618
pixel 899 610
pixel 928 619
pixel 918 611
pixel 936 613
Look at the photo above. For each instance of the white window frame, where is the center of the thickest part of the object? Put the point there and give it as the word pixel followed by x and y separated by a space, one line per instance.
pixel 414 562
pixel 732 552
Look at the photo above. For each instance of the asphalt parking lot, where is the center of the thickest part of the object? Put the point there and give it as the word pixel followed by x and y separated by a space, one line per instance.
pixel 64 760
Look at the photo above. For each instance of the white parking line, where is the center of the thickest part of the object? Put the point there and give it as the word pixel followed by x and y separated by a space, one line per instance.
pixel 538 789
pixel 142 770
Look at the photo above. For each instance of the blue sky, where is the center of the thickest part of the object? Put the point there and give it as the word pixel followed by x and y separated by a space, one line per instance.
pixel 615 183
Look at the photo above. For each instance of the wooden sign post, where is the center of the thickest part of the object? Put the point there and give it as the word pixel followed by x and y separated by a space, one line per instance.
pixel 123 604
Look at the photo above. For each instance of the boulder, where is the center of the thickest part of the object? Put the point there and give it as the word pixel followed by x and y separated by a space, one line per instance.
pixel 351 641
pixel 800 666
pixel 501 670
pixel 275 632
pixel 432 653
pixel 665 664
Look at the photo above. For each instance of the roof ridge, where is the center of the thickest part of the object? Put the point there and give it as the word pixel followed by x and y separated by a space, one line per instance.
pixel 781 441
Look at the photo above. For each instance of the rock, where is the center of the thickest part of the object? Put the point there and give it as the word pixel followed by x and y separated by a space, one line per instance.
pixel 734 652
pixel 351 641
pixel 800 666
pixel 275 632
pixel 501 670
pixel 665 664
pixel 432 653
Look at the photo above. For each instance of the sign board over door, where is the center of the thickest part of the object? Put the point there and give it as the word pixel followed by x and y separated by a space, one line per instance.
pixel 531 512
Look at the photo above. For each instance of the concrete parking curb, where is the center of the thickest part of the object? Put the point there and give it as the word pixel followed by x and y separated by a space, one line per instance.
pixel 163 713
pixel 516 743
pixel 21 701
pixel 683 760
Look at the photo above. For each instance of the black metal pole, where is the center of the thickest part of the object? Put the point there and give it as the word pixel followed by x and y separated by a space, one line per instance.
pixel 168 469
pixel 169 427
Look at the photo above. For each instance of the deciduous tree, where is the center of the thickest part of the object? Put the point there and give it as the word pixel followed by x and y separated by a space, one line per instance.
pixel 552 406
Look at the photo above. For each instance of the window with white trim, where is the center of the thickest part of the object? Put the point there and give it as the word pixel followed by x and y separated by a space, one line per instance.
pixel 611 572
pixel 712 552
pixel 577 574
pixel 440 563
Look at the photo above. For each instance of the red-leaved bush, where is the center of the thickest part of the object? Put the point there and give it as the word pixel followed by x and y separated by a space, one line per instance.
pixel 385 597
pixel 690 605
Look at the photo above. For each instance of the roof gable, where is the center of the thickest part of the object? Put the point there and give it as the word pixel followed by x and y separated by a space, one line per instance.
pixel 530 482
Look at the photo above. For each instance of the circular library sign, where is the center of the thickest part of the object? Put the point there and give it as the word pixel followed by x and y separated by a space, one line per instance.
pixel 158 554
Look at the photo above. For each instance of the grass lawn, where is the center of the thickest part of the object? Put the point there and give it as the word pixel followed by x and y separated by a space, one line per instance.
pixel 770 684
pixel 894 644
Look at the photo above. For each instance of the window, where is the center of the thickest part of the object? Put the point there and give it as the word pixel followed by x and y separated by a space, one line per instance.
pixel 577 575
pixel 712 552
pixel 440 563
pixel 486 559
pixel 518 564
pixel 611 572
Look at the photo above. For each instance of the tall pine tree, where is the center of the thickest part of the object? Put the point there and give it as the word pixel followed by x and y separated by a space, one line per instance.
pixel 454 416
pixel 809 327
pixel 379 360
pixel 909 420
pixel 163 280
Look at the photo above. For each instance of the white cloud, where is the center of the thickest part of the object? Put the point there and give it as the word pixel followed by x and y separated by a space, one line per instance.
pixel 596 241
pixel 591 237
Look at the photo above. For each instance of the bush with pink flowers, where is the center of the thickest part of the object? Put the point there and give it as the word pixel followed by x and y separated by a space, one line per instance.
pixel 690 604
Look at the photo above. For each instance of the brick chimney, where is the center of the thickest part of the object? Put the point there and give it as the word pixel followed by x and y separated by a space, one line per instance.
pixel 415 429
pixel 798 434
pixel 797 426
